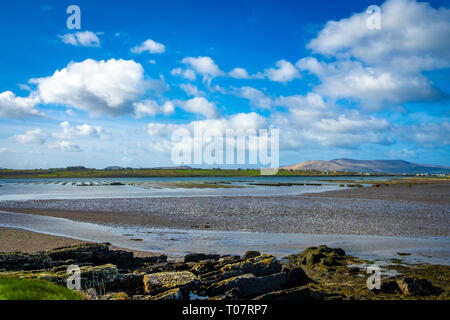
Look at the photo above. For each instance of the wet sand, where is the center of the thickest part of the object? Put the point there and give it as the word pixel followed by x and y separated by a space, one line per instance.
pixel 18 240
pixel 396 210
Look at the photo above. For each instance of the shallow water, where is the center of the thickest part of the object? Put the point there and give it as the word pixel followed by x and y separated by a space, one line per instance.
pixel 46 189
pixel 178 242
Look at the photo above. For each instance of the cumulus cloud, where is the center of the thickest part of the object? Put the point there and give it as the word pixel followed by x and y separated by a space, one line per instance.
pixel 66 147
pixel 149 46
pixel 428 134
pixel 409 29
pixel 284 72
pixel 241 73
pixel 12 106
pixel 84 130
pixel 185 73
pixel 81 38
pixel 204 66
pixel 160 133
pixel 201 106
pixel 191 90
pixel 100 87
pixel 312 119
pixel 256 97
pixel 35 136
pixel 373 86
pixel 387 64
pixel 152 108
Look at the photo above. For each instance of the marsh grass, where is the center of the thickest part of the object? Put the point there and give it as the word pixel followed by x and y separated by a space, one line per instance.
pixel 31 289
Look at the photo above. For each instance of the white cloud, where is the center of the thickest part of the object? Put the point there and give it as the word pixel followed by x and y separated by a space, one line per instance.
pixel 152 108
pixel 257 98
pixel 191 90
pixel 241 73
pixel 384 65
pixel 81 38
pixel 431 134
pixel 160 133
pixel 12 106
pixel 149 46
pixel 84 130
pixel 100 87
pixel 187 73
pixel 204 66
pixel 373 86
pixel 201 106
pixel 284 73
pixel 66 147
pixel 35 136
pixel 311 119
pixel 409 29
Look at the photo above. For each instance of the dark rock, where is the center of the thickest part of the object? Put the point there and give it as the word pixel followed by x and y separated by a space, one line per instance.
pixel 22 261
pixel 173 294
pixel 259 266
pixel 416 287
pixel 204 266
pixel 389 286
pixel 196 257
pixel 159 282
pixel 295 277
pixel 90 252
pixel 251 254
pixel 248 285
pixel 298 293
pixel 318 255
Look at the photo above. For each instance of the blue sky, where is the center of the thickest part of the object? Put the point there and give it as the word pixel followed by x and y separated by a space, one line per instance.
pixel 112 92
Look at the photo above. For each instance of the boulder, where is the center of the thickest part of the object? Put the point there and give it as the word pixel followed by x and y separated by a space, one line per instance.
pixel 204 266
pixel 251 254
pixel 90 252
pixel 318 255
pixel 295 277
pixel 248 285
pixel 172 294
pixel 298 293
pixel 259 266
pixel 162 281
pixel 22 261
pixel 196 257
pixel 416 287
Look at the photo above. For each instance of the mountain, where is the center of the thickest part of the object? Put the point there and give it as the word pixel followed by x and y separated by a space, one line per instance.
pixel 369 166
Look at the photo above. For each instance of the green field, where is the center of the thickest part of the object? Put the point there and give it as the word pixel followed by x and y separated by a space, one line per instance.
pixel 30 289
pixel 145 173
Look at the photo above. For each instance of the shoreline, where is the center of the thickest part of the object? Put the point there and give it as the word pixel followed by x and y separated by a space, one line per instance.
pixel 25 241
pixel 178 242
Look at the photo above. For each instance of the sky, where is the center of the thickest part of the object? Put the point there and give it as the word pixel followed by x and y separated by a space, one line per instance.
pixel 114 91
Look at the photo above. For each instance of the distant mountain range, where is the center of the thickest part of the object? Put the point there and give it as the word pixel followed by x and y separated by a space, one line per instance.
pixel 369 166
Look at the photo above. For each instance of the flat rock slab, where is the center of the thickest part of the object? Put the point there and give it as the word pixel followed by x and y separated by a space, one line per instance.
pixel 163 281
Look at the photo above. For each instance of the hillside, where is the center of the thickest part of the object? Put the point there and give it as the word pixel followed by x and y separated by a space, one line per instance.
pixel 369 166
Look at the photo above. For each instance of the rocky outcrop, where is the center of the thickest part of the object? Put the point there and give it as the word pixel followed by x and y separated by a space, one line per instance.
pixel 315 273
pixel 318 255
pixel 416 287
pixel 163 281
pixel 259 266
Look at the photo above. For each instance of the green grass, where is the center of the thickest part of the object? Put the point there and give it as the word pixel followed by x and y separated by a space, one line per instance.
pixel 31 289
pixel 143 173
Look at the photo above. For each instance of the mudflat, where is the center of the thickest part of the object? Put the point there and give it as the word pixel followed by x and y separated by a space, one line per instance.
pixel 396 210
